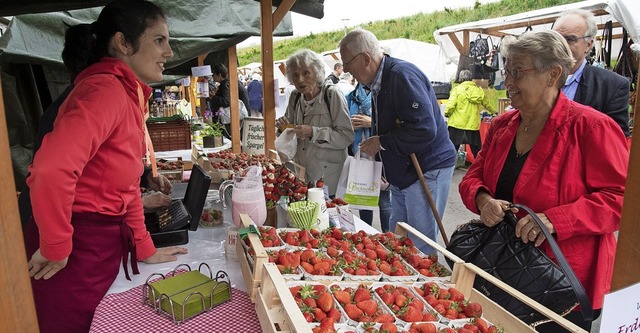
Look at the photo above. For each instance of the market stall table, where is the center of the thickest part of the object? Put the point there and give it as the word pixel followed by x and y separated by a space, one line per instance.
pixel 122 310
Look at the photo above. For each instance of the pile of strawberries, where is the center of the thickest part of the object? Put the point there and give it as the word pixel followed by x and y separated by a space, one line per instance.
pixel 336 202
pixel 301 238
pixel 268 237
pixel 359 304
pixel 278 181
pixel 404 304
pixel 315 302
pixel 319 263
pixel 450 302
pixel 286 261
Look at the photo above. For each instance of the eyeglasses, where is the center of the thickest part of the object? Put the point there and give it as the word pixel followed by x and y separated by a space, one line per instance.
pixel 346 64
pixel 516 73
pixel 574 39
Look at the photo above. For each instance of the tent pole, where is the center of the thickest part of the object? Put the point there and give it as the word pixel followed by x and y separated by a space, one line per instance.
pixel 235 97
pixel 17 310
pixel 626 271
pixel 268 86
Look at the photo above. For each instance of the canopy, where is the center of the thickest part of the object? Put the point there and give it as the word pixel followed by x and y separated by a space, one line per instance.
pixel 426 56
pixel 454 40
pixel 195 27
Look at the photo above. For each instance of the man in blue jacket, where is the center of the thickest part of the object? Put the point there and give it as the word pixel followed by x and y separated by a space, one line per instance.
pixel 406 119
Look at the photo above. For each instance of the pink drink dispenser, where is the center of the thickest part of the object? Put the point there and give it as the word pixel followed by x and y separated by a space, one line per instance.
pixel 247 196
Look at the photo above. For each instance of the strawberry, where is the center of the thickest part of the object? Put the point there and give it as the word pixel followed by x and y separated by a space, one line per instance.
pixel 473 310
pixel 353 311
pixel 471 327
pixel 482 325
pixel 325 302
pixel 370 307
pixel 388 328
pixel 361 294
pixel 412 315
pixel 343 297
pixel 320 183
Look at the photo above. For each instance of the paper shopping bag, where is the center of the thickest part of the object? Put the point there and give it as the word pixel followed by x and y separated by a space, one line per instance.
pixel 362 189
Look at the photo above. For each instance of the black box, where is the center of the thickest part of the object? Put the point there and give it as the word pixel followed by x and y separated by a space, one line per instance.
pixel 194 200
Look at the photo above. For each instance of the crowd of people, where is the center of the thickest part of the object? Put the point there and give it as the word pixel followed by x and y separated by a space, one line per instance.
pixel 562 150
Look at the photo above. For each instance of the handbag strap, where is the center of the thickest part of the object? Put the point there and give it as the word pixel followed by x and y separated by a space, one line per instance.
pixel 578 289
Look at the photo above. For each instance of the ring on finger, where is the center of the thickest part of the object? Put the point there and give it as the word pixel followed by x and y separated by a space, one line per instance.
pixel 533 231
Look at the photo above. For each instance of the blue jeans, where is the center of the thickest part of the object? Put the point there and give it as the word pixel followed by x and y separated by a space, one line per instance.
pixel 384 205
pixel 411 205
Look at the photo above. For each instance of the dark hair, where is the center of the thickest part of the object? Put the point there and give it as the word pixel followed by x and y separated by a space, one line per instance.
pixel 86 44
pixel 221 70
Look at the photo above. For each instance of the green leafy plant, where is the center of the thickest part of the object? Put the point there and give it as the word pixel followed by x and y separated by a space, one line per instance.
pixel 213 129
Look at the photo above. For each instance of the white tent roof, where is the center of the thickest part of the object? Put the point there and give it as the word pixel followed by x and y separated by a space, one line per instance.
pixel 428 57
pixel 454 40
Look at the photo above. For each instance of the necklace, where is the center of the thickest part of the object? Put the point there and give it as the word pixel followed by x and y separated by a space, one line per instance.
pixel 526 127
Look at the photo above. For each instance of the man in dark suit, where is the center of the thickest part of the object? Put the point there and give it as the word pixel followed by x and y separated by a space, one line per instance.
pixel 599 88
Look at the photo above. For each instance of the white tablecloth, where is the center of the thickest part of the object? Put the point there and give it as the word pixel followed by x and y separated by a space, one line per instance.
pixel 186 153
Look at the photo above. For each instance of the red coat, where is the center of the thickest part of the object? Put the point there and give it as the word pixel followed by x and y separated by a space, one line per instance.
pixel 575 174
pixel 92 160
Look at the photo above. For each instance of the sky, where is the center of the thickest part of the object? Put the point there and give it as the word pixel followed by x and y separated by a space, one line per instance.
pixel 351 13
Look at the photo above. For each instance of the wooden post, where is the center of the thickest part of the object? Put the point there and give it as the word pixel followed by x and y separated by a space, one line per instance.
pixel 269 20
pixel 17 310
pixel 626 270
pixel 203 100
pixel 235 97
pixel 268 86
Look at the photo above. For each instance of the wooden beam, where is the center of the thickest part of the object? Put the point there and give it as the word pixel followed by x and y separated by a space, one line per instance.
pixel 17 310
pixel 268 86
pixel 203 100
pixel 626 270
pixel 456 42
pixel 281 11
pixel 235 97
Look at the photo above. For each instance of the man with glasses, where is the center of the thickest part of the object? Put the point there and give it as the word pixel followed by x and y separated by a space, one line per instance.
pixel 405 120
pixel 599 88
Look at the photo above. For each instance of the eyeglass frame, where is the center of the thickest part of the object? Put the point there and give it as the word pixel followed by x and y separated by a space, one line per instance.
pixel 510 72
pixel 574 39
pixel 346 64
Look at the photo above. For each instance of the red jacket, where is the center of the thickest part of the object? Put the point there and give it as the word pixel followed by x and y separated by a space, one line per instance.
pixel 92 160
pixel 575 174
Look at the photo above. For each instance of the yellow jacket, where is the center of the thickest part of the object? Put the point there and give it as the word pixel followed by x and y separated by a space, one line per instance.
pixel 465 105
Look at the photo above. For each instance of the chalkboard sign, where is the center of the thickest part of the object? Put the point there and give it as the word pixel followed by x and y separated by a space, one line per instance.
pixel 253 136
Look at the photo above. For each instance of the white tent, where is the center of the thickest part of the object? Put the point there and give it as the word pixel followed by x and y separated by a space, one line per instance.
pixel 454 40
pixel 428 57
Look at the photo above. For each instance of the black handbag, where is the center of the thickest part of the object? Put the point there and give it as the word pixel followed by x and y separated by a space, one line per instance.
pixel 524 267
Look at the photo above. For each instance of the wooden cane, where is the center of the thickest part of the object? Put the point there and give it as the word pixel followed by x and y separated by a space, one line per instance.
pixel 432 203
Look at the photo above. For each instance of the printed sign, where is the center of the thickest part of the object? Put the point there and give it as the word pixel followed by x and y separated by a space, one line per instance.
pixel 253 136
pixel 621 310
pixel 201 71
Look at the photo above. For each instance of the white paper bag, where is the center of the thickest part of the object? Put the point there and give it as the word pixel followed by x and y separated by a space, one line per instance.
pixel 359 182
pixel 287 145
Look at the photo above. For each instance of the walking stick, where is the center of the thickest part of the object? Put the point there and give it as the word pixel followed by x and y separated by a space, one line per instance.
pixel 432 203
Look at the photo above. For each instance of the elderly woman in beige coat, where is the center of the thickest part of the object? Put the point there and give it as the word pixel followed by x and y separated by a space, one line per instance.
pixel 318 109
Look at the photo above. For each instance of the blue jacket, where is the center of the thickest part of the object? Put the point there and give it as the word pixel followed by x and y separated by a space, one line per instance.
pixel 408 120
pixel 359 102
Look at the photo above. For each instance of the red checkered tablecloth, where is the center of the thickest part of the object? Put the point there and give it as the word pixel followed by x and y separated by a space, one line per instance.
pixel 124 312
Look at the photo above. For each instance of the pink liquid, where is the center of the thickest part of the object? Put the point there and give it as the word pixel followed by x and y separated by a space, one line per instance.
pixel 251 203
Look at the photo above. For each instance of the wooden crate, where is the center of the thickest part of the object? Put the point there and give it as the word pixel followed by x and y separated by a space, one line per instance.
pixel 503 103
pixel 278 312
pixel 170 135
pixel 463 277
pixel 252 274
pixel 275 306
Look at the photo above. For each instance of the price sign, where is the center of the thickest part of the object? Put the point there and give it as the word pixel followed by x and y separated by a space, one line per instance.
pixel 253 136
pixel 621 310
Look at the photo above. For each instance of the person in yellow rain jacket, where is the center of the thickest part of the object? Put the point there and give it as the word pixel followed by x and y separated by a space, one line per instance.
pixel 463 109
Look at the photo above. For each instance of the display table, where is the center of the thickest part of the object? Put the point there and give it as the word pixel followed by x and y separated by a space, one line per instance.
pixel 186 153
pixel 122 304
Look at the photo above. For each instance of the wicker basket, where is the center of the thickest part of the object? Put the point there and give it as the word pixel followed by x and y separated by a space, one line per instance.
pixel 170 135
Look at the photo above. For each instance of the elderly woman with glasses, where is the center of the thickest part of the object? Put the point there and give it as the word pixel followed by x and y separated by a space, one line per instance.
pixel 318 110
pixel 564 160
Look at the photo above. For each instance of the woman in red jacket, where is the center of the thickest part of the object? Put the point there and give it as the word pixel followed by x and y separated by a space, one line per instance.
pixel 564 160
pixel 87 207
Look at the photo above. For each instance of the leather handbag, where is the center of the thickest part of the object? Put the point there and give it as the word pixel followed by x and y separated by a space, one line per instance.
pixel 524 267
